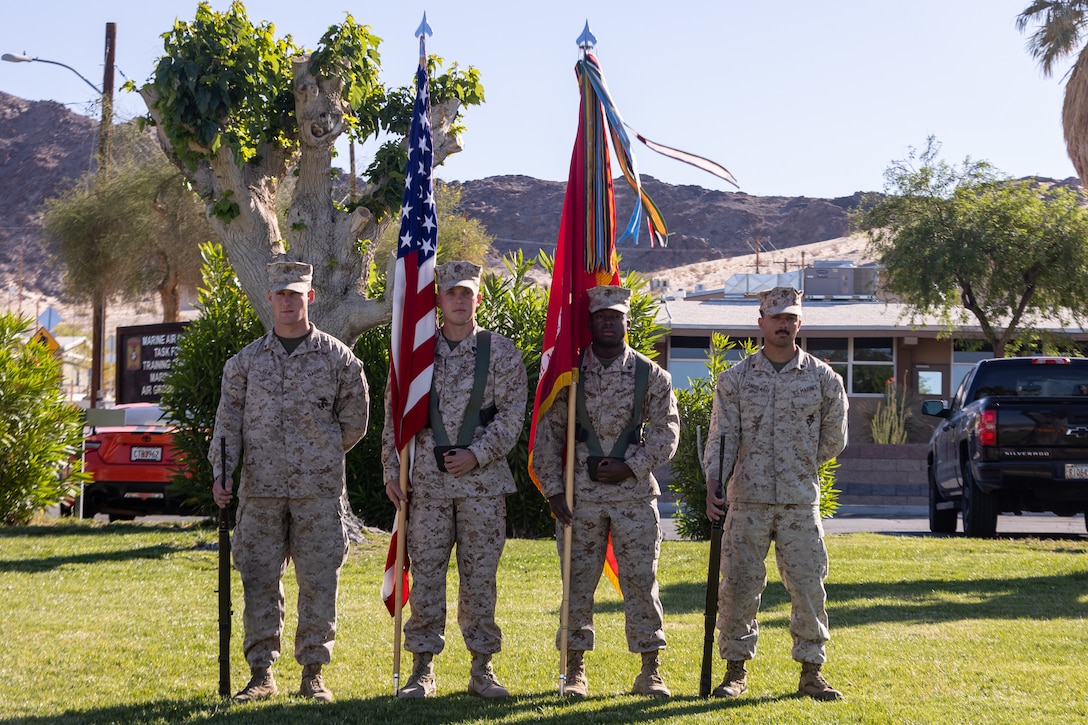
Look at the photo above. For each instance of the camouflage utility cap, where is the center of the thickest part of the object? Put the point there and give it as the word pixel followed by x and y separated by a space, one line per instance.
pixel 295 276
pixel 609 297
pixel 458 274
pixel 780 301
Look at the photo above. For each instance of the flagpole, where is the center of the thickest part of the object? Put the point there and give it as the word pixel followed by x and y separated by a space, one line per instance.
pixel 415 239
pixel 585 42
pixel 398 581
pixel 568 535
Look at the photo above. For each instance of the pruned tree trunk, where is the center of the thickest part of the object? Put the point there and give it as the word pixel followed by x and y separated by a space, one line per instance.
pixel 170 297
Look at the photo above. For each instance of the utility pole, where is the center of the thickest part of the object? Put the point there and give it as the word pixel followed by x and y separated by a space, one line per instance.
pixel 105 142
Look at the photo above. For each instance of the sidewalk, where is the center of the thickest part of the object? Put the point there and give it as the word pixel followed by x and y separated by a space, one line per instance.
pixel 913 520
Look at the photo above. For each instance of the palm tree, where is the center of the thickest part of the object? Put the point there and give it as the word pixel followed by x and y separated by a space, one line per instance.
pixel 1061 27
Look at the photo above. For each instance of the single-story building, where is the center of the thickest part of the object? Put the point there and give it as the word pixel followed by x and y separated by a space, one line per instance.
pixel 866 340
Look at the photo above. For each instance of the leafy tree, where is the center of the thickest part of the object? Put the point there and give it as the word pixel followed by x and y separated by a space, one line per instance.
pixel 130 232
pixel 688 480
pixel 1059 33
pixel 239 109
pixel 958 240
pixel 41 434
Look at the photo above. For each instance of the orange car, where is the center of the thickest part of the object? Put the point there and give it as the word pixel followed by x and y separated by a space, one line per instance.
pixel 130 453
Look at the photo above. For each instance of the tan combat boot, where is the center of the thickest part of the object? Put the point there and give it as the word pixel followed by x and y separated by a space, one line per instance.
pixel 483 681
pixel 576 684
pixel 312 685
pixel 262 685
pixel 649 682
pixel 814 685
pixel 422 681
pixel 735 682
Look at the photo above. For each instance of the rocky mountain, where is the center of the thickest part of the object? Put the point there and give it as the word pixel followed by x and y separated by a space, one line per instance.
pixel 522 212
pixel 44 149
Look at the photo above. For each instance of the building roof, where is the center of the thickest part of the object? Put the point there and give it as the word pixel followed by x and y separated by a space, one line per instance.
pixel 846 316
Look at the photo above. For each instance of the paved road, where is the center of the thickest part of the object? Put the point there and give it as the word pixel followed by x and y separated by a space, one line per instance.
pixel 905 520
pixel 914 520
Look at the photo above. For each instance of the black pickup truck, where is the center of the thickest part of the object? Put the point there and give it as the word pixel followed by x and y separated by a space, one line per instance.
pixel 1014 439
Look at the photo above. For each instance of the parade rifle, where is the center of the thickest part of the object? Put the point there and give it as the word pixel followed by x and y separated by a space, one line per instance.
pixel 710 615
pixel 224 582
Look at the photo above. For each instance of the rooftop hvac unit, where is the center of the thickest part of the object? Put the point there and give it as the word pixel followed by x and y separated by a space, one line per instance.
pixel 829 282
pixel 866 280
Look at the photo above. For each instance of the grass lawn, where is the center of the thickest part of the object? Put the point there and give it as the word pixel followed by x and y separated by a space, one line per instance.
pixel 117 623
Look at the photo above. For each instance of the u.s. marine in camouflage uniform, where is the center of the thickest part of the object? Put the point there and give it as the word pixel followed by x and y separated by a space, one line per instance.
pixel 464 505
pixel 781 413
pixel 293 403
pixel 623 499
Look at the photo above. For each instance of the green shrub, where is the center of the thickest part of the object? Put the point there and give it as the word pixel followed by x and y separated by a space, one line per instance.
pixel 366 478
pixel 889 422
pixel 41 434
pixel 688 480
pixel 227 323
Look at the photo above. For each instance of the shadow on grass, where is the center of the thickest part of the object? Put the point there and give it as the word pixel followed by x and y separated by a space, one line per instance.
pixel 49 563
pixel 1006 598
pixel 938 600
pixel 454 708
pixel 915 600
pixel 76 528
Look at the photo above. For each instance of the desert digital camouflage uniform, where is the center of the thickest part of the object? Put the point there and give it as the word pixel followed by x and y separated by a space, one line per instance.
pixel 292 417
pixel 778 428
pixel 627 509
pixel 467 510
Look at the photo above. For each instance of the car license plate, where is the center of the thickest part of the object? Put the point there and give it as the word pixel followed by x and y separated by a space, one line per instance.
pixel 1073 470
pixel 146 453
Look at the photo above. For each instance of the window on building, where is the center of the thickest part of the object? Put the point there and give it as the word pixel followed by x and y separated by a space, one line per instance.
pixel 865 363
pixel 835 351
pixel 930 382
pixel 872 365
pixel 688 357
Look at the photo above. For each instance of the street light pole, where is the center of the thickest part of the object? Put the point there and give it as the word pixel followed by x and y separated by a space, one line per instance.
pixel 105 139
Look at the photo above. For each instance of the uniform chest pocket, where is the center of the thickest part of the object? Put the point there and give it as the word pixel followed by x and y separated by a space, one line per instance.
pixel 805 400
pixel 755 396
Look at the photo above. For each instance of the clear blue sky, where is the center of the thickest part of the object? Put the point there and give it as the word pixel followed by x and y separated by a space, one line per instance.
pixel 796 98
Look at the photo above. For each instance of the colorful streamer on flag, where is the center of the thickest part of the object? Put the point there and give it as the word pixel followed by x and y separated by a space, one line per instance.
pixel 411 348
pixel 644 208
pixel 699 162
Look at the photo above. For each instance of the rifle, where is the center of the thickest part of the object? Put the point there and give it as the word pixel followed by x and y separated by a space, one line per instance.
pixel 710 613
pixel 224 583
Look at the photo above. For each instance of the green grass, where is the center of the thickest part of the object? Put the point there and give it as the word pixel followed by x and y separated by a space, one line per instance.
pixel 117 623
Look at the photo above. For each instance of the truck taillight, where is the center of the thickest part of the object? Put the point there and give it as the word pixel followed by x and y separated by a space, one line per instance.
pixel 987 428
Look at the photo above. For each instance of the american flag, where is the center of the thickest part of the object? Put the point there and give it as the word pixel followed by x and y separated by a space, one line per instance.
pixel 411 348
